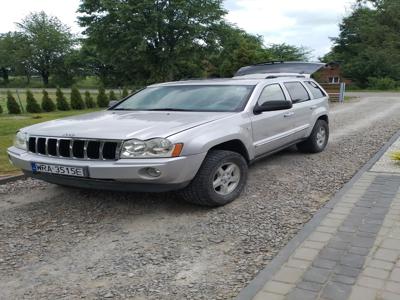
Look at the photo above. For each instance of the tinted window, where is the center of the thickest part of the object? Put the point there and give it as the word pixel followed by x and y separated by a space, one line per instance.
pixel 189 97
pixel 314 89
pixel 271 92
pixel 297 91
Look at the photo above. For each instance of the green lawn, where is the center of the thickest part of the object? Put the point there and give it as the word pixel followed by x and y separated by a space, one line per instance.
pixel 9 124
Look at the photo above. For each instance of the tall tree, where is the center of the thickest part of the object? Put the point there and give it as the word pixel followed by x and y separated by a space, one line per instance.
pixel 160 35
pixel 50 41
pixel 369 42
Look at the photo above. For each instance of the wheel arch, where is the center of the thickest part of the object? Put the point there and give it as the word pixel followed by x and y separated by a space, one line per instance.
pixel 234 145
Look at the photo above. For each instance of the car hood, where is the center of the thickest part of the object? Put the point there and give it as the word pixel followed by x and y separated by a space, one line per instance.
pixel 124 124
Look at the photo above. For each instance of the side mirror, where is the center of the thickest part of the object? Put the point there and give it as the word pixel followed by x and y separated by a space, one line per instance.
pixel 112 103
pixel 272 106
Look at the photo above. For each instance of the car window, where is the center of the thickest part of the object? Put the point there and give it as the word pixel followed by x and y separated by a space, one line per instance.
pixel 224 98
pixel 297 91
pixel 271 92
pixel 315 89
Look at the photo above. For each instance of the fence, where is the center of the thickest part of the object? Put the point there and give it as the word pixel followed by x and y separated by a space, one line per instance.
pixel 336 91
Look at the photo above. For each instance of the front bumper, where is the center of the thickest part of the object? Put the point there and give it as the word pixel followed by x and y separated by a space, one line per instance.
pixel 123 174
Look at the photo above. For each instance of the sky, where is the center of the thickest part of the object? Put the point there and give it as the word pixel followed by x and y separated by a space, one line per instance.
pixel 307 23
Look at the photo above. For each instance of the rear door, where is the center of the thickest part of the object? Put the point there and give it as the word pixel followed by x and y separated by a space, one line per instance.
pixel 301 100
pixel 272 129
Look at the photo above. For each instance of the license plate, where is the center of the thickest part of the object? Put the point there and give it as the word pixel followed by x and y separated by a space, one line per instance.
pixel 57 169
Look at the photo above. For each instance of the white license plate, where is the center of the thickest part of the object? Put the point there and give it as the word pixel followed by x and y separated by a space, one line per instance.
pixel 57 169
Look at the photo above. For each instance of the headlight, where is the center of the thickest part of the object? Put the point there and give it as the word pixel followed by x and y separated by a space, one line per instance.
pixel 20 140
pixel 158 147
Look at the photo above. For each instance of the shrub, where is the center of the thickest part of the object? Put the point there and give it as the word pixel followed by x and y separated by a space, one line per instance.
pixel 62 103
pixel 396 156
pixel 102 99
pixel 381 83
pixel 112 96
pixel 47 104
pixel 76 99
pixel 31 104
pixel 89 102
pixel 125 92
pixel 12 105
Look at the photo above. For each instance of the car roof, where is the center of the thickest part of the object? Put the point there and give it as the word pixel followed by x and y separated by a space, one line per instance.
pixel 252 80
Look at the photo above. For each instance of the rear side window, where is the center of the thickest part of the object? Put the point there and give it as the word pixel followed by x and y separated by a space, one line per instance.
pixel 297 92
pixel 271 92
pixel 315 89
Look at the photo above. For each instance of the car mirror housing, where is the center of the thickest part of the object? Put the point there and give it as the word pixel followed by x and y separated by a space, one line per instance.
pixel 272 106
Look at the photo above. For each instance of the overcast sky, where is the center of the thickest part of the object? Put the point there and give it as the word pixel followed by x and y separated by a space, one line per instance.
pixel 307 23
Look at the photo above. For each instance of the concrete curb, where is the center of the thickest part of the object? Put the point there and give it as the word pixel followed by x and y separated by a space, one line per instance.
pixel 251 290
pixel 11 178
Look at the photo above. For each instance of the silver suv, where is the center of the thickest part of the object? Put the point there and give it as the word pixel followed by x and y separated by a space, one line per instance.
pixel 194 136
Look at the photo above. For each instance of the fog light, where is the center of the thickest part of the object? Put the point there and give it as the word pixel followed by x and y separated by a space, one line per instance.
pixel 153 172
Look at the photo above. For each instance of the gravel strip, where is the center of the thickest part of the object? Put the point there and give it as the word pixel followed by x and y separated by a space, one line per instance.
pixel 58 242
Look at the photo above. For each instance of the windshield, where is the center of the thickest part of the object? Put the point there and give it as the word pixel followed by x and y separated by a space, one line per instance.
pixel 224 98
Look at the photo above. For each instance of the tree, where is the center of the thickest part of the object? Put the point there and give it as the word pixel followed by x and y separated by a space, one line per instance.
pixel 89 102
pixel 12 105
pixel 76 99
pixel 62 103
pixel 125 92
pixel 112 96
pixel 369 42
pixel 47 104
pixel 162 36
pixel 31 104
pixel 50 42
pixel 102 99
pixel 1 109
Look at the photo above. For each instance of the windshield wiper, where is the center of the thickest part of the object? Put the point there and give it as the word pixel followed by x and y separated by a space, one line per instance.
pixel 168 109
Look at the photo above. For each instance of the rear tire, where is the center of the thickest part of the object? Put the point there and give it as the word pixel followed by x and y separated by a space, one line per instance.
pixel 220 179
pixel 317 140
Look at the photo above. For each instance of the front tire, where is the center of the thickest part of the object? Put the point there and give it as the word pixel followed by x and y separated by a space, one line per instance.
pixel 220 179
pixel 317 140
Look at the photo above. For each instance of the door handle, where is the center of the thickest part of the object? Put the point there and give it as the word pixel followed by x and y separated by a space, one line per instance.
pixel 313 107
pixel 288 115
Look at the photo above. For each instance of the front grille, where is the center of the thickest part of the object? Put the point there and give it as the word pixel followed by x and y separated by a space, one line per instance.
pixel 75 148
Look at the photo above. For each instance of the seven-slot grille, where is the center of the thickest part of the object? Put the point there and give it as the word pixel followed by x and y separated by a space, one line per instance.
pixel 75 148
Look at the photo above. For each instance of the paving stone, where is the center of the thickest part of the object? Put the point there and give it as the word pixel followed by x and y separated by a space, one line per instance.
pixel 320 237
pixel 392 244
pixel 386 254
pixel 298 294
pixel 372 228
pixel 324 263
pixel 362 293
pixel 388 296
pixel 268 296
pixel 347 271
pixel 349 229
pixel 314 245
pixel 359 250
pixel 381 264
pixel 310 286
pixel 336 243
pixel 353 260
pixel 288 275
pixel 298 263
pixel 359 241
pixel 326 229
pixel 336 291
pixel 392 286
pixel 278 287
pixel 331 222
pixel 376 273
pixel 374 283
pixel 305 253
pixel 395 275
pixel 331 254
pixel 343 279
pixel 318 275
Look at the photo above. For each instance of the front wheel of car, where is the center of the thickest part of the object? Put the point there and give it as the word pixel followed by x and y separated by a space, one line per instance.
pixel 317 140
pixel 220 179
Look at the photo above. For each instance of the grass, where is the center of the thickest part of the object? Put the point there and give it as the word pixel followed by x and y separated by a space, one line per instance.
pixel 9 124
